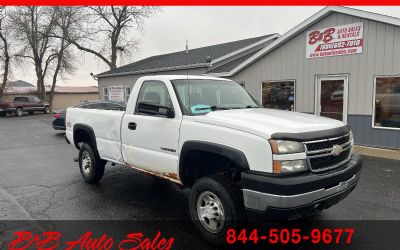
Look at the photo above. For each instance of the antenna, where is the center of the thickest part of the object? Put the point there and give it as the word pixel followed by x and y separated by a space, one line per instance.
pixel 187 74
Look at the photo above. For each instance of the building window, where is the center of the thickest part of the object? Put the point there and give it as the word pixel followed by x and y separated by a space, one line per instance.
pixel 278 94
pixel 127 93
pixel 387 102
pixel 105 93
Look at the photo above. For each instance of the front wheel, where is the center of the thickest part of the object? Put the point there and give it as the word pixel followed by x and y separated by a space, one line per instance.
pixel 19 111
pixel 216 204
pixel 91 166
pixel 46 110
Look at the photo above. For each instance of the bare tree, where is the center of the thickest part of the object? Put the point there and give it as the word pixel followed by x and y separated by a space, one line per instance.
pixel 32 27
pixel 65 56
pixel 5 56
pixel 107 30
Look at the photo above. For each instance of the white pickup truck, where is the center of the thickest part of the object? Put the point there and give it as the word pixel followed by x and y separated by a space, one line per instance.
pixel 210 135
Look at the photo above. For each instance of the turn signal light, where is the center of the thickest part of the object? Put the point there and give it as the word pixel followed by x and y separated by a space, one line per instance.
pixel 277 167
pixel 57 115
pixel 289 166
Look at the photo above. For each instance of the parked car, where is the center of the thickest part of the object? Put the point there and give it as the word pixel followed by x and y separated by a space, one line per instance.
pixel 210 135
pixel 22 104
pixel 59 121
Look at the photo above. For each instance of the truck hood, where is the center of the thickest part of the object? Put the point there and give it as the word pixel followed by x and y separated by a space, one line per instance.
pixel 265 122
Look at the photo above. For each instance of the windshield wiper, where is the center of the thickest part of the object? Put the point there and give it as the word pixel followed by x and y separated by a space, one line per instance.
pixel 213 108
pixel 247 107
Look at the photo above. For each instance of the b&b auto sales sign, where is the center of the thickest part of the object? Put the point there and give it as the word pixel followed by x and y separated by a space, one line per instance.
pixel 335 41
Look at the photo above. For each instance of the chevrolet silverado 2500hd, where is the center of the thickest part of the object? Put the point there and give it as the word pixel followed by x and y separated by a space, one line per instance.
pixel 209 134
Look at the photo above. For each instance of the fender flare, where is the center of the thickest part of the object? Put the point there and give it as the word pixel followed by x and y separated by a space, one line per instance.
pixel 89 130
pixel 236 156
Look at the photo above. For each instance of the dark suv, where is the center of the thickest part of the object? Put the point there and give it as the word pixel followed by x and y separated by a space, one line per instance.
pixel 22 104
pixel 59 122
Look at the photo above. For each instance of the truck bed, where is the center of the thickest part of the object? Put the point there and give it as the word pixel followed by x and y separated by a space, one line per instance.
pixel 106 125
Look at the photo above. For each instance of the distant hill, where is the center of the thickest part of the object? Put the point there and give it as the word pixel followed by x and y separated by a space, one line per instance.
pixel 19 83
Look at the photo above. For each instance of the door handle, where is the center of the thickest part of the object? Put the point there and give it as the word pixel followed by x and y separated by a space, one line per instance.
pixel 132 125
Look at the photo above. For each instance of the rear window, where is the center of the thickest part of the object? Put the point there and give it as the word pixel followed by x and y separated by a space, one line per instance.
pixel 91 106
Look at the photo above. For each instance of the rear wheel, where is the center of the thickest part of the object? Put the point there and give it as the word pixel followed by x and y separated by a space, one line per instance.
pixel 19 111
pixel 90 165
pixel 46 110
pixel 216 204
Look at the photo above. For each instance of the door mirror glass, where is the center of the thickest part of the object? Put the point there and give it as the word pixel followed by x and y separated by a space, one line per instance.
pixel 155 109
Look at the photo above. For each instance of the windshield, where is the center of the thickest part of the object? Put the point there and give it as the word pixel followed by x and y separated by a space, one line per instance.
pixel 200 96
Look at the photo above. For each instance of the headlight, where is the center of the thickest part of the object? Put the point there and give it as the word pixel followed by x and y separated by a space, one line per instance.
pixel 287 167
pixel 286 147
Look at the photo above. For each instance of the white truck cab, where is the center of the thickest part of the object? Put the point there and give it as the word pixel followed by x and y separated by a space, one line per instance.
pixel 210 135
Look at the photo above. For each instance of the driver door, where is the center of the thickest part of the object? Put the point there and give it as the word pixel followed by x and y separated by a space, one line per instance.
pixel 150 141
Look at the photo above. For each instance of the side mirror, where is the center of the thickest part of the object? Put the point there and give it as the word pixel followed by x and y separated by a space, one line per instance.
pixel 155 109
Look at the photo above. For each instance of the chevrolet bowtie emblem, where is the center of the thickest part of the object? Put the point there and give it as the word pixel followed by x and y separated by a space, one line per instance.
pixel 337 149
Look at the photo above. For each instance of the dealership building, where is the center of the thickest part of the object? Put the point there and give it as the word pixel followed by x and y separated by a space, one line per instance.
pixel 341 63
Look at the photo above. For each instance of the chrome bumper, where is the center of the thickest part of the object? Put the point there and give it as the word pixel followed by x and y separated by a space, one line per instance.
pixel 261 201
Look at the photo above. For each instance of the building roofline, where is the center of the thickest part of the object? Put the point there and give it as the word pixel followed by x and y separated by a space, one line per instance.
pixel 236 52
pixel 192 66
pixel 180 67
pixel 308 22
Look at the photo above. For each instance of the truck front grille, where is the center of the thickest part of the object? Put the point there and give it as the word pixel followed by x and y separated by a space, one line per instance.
pixel 313 146
pixel 322 156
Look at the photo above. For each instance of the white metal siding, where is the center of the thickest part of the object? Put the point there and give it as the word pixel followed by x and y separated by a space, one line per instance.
pixel 381 56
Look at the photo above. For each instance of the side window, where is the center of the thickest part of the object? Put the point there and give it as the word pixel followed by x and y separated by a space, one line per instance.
pixel 105 93
pixel 154 92
pixel 20 99
pixel 35 99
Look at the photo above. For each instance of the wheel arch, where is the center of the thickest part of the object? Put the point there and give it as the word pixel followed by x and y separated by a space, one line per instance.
pixel 235 156
pixel 84 133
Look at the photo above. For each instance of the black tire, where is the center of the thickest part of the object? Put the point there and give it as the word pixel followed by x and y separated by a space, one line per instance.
pixel 46 110
pixel 229 195
pixel 2 114
pixel 93 170
pixel 19 111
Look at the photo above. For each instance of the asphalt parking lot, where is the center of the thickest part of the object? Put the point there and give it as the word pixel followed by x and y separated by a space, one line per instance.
pixel 39 180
